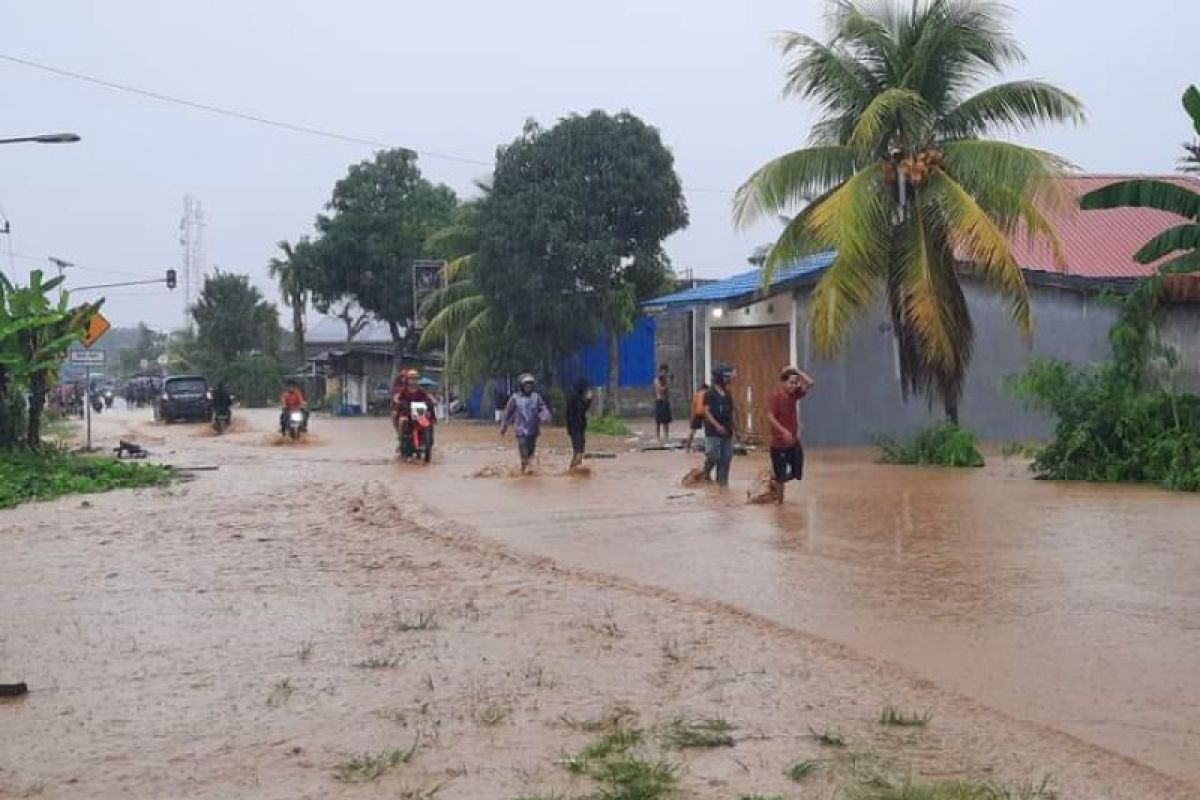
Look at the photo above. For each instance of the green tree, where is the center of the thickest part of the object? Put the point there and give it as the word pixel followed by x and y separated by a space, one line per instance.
pixel 905 184
pixel 36 330
pixel 572 232
pixel 149 346
pixel 291 271
pixel 233 320
pixel 380 216
pixel 1181 242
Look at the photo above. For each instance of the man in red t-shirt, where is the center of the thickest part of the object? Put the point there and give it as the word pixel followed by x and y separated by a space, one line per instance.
pixel 787 456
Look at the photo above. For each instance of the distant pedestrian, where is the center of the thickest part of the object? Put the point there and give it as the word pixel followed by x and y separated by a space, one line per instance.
pixel 578 404
pixel 787 454
pixel 499 399
pixel 719 426
pixel 662 405
pixel 526 412
pixel 696 421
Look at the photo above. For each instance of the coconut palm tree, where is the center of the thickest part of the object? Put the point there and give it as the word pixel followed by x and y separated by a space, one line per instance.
pixel 458 312
pixel 905 184
pixel 291 273
pixel 1163 196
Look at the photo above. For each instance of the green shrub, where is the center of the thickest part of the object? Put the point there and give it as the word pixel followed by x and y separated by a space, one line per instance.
pixel 256 381
pixel 1112 423
pixel 607 425
pixel 942 445
pixel 13 418
pixel 45 474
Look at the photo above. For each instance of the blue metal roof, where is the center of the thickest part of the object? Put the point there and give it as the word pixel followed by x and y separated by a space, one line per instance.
pixel 741 287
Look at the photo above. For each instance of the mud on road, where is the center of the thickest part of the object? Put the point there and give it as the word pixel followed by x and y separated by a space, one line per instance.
pixel 246 633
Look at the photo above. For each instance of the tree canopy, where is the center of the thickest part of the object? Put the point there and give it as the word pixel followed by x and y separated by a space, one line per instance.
pixel 572 230
pixel 378 220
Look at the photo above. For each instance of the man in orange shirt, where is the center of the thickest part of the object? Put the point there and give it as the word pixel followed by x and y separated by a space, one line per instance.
pixel 292 399
pixel 697 420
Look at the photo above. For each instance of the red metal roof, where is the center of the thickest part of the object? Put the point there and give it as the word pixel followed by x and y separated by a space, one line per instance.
pixel 1099 244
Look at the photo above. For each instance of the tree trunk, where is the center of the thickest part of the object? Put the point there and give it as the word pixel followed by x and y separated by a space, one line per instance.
pixel 298 303
pixel 37 401
pixel 612 383
pixel 8 426
pixel 952 412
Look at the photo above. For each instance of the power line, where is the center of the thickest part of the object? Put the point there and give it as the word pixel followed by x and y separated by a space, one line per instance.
pixel 228 112
pixel 84 267
pixel 288 126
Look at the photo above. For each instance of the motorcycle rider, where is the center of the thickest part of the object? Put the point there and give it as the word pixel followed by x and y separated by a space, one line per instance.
pixel 292 400
pixel 406 390
pixel 222 402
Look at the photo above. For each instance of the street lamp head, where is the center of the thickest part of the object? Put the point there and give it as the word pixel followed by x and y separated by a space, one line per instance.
pixel 57 138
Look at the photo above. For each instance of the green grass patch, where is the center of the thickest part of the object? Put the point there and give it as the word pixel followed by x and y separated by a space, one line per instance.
pixel 800 770
pixel 689 733
pixel 941 445
pixel 366 767
pixel 607 426
pixel 616 742
pixel 898 719
pixel 951 790
pixel 27 476
pixel 635 779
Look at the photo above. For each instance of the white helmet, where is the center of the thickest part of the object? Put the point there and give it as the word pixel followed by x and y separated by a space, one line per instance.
pixel 524 379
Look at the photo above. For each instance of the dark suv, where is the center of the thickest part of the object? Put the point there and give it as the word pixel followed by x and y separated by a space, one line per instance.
pixel 183 397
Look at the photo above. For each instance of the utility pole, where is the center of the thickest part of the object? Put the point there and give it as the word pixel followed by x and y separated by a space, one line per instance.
pixel 59 264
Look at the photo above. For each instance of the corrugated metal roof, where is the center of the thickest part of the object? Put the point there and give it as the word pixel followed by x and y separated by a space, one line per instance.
pixel 1095 244
pixel 1100 244
pixel 742 286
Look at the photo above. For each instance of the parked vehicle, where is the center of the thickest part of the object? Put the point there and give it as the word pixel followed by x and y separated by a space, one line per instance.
pixel 183 397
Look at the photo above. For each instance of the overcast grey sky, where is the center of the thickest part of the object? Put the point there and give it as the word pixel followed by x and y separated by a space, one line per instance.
pixel 460 78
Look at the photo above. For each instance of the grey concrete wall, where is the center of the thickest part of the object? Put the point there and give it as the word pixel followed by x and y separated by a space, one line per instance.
pixel 673 347
pixel 858 395
pixel 1180 329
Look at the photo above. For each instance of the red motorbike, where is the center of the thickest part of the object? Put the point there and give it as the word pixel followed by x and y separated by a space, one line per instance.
pixel 416 433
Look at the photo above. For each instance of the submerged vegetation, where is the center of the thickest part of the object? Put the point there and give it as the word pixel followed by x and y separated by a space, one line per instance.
pixel 941 445
pixel 28 475
pixel 1120 421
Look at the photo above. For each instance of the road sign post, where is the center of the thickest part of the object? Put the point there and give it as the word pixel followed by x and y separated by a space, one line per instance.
pixel 89 358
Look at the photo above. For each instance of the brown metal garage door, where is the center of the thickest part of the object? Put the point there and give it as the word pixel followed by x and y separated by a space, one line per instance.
pixel 758 354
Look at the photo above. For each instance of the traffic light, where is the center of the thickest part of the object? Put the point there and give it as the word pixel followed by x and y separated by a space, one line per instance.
pixel 170 279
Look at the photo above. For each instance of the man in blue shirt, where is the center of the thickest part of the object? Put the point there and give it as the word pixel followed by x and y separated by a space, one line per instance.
pixel 525 413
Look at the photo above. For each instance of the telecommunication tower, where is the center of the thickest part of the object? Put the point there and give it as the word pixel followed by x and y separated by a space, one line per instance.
pixel 191 243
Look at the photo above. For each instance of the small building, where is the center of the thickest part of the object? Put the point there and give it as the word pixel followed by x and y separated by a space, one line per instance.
pixel 858 395
pixel 354 375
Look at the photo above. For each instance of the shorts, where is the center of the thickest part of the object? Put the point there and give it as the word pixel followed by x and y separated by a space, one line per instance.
pixel 577 441
pixel 527 446
pixel 662 412
pixel 787 464
pixel 697 422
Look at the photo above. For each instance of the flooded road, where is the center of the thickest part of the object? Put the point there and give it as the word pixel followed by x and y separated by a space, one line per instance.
pixel 168 627
pixel 1074 606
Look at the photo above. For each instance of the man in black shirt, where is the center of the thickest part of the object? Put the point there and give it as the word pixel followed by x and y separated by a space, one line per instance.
pixel 577 408
pixel 718 426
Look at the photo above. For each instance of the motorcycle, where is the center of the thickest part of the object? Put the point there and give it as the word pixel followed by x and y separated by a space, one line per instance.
pixel 97 403
pixel 416 433
pixel 221 421
pixel 108 396
pixel 295 425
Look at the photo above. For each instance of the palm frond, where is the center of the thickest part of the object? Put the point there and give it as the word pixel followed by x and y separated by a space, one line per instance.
pixel 780 185
pixel 890 111
pixel 460 269
pixel 1017 105
pixel 952 44
pixel 1188 262
pixel 854 220
pixel 819 72
pixel 984 165
pixel 971 233
pixel 1144 193
pixel 929 311
pixel 1180 237
pixel 1191 104
pixel 448 296
pixel 452 319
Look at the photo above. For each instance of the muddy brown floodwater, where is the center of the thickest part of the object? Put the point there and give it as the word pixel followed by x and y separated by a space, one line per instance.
pixel 241 634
